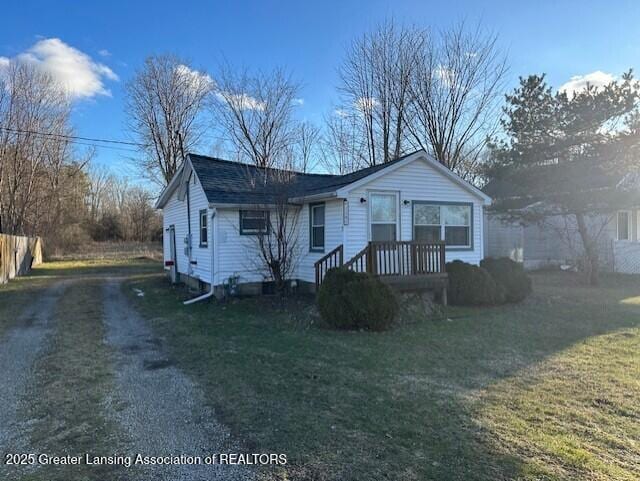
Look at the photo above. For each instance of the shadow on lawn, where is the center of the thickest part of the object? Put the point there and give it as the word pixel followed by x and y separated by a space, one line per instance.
pixel 399 405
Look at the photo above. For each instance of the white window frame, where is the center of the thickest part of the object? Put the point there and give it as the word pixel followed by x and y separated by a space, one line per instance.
pixel 204 225
pixel 312 207
pixel 413 219
pixel 244 231
pixel 443 225
pixel 394 193
pixel 629 225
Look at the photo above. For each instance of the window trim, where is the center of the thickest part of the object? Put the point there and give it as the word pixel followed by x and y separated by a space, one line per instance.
pixel 313 248
pixel 471 205
pixel 396 194
pixel 203 214
pixel 252 232
pixel 629 225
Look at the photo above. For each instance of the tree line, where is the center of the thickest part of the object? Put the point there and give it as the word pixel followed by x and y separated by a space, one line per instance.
pixel 47 186
pixel 401 88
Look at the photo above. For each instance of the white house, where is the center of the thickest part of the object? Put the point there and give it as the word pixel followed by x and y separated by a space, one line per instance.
pixel 555 240
pixel 213 209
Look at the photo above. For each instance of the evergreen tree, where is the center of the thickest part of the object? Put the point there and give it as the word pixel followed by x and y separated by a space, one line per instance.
pixel 567 154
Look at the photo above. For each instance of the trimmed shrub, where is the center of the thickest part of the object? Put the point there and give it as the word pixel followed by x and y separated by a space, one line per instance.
pixel 355 300
pixel 471 285
pixel 510 275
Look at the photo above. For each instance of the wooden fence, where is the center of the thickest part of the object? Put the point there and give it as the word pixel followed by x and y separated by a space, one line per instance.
pixel 17 255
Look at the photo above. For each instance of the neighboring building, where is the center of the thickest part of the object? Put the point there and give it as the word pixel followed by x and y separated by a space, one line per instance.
pixel 557 242
pixel 213 209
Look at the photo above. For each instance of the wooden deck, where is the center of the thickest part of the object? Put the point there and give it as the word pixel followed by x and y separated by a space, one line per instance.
pixel 405 265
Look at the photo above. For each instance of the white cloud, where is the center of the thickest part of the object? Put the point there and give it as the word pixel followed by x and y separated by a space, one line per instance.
pixel 298 101
pixel 578 83
pixel 197 79
pixel 241 101
pixel 104 53
pixel 74 70
pixel 366 104
pixel 445 74
pixel 341 113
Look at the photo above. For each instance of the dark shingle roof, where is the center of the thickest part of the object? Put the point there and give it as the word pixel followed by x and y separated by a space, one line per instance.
pixel 227 182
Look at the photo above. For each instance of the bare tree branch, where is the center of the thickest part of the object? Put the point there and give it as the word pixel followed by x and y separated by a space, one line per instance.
pixel 164 105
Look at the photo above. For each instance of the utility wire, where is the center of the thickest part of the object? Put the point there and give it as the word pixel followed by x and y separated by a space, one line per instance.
pixel 72 137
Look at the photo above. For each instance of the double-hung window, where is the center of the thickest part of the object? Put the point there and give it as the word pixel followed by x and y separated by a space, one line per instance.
pixel 253 222
pixel 316 229
pixel 203 228
pixel 624 225
pixel 433 222
pixel 384 216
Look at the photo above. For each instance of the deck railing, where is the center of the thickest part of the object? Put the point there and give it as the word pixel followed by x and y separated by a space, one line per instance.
pixel 328 261
pixel 406 258
pixel 395 258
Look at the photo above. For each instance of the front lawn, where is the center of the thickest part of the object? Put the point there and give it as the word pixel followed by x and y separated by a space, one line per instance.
pixel 547 389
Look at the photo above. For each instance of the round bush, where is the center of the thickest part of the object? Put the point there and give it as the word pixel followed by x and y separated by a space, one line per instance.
pixel 471 285
pixel 354 300
pixel 510 275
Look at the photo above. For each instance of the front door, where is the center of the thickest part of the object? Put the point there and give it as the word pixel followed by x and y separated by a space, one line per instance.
pixel 173 258
pixel 383 216
pixel 384 228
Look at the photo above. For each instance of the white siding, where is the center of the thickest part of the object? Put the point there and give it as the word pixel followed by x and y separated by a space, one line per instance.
pixel 237 255
pixel 333 237
pixel 414 181
pixel 175 213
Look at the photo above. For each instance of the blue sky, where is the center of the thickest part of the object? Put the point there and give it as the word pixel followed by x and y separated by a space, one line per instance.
pixel 561 38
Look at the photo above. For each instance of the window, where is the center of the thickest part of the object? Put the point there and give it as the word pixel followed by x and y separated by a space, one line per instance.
pixel 449 222
pixel 203 228
pixel 254 222
pixel 384 217
pixel 316 218
pixel 624 225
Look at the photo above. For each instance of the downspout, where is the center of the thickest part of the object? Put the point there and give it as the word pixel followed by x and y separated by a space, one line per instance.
pixel 211 290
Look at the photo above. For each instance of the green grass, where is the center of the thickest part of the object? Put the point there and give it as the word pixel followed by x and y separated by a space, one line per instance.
pixel 543 390
pixel 72 379
pixel 19 292
pixel 96 267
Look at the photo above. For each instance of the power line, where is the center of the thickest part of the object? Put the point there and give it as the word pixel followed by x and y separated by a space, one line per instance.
pixel 72 137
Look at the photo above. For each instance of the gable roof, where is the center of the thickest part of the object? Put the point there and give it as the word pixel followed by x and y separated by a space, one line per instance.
pixel 228 182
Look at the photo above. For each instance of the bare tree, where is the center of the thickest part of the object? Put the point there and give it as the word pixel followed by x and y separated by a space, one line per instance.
pixel 375 86
pixel 455 91
pixel 143 219
pixel 277 245
pixel 255 114
pixel 164 102
pixel 343 149
pixel 34 118
pixel 100 180
pixel 306 147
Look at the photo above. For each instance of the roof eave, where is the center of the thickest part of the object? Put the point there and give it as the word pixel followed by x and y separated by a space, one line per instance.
pixel 165 195
pixel 315 197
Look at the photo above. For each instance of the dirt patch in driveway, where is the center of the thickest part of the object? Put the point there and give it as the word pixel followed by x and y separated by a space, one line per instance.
pixel 161 410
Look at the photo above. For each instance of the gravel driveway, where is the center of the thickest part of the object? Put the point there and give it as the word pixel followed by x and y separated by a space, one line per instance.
pixel 158 410
pixel 164 411
pixel 19 349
